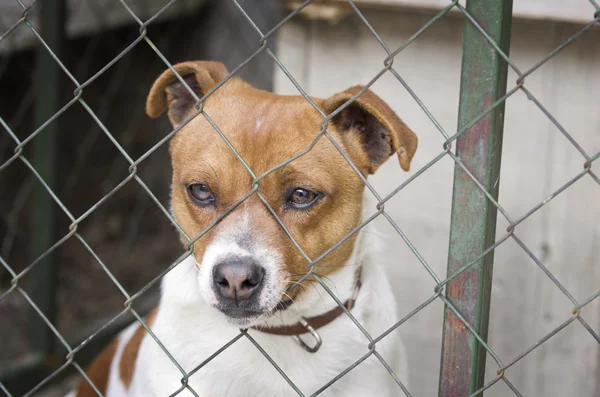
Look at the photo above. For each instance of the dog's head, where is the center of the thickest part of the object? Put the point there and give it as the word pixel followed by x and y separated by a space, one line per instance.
pixel 246 261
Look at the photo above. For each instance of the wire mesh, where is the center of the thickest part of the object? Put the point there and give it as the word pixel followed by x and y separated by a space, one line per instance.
pixel 119 64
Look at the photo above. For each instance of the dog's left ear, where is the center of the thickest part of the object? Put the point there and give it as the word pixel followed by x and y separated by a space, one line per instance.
pixel 379 129
pixel 168 92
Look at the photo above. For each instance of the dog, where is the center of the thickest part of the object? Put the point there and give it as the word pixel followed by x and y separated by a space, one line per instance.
pixel 237 282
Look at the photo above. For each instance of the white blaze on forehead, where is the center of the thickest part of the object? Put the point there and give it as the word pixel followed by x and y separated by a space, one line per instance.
pixel 259 122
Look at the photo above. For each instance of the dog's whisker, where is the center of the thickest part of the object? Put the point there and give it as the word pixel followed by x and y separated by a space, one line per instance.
pixel 317 290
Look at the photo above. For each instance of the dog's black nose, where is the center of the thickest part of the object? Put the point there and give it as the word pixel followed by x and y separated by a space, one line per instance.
pixel 238 279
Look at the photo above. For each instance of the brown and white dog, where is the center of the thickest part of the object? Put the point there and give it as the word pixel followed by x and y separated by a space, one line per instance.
pixel 241 269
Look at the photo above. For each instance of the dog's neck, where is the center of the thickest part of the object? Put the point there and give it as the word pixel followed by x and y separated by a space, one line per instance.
pixel 180 286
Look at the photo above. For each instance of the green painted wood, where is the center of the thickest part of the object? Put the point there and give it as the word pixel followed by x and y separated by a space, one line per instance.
pixel 473 219
pixel 43 278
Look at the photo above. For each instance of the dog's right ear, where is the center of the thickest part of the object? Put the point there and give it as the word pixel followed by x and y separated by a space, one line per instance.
pixel 168 92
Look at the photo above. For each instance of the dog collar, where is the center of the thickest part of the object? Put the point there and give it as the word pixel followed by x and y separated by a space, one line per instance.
pixel 312 324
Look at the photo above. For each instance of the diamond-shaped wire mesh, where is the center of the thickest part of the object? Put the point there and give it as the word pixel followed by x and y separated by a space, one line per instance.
pixel 127 171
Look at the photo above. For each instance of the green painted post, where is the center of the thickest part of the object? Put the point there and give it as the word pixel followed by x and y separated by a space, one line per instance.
pixel 43 277
pixel 473 219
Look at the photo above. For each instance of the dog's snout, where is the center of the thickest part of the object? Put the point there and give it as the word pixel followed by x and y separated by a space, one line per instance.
pixel 238 279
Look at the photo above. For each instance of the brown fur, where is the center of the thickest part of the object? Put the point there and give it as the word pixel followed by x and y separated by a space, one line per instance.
pixel 168 89
pixel 99 370
pixel 98 373
pixel 288 125
pixel 403 141
pixel 130 352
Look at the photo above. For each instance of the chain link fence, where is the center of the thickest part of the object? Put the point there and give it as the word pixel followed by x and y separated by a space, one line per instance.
pixel 89 164
pixel 476 175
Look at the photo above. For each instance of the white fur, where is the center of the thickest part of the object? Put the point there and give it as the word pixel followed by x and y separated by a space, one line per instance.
pixel 192 330
pixel 115 386
pixel 259 122
pixel 226 245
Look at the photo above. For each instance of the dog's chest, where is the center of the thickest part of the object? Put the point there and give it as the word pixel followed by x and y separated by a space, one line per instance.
pixel 242 370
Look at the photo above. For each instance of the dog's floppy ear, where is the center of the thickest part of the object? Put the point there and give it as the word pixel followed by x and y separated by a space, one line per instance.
pixel 380 130
pixel 168 92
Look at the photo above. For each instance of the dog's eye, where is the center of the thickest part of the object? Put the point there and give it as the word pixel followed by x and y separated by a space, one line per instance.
pixel 301 198
pixel 201 194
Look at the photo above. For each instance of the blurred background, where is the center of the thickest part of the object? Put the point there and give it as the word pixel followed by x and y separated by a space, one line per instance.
pixel 327 48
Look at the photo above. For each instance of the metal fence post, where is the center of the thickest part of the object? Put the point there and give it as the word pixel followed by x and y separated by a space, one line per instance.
pixel 473 219
pixel 43 276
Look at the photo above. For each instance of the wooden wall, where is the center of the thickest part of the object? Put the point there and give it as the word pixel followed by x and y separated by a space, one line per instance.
pixel 537 160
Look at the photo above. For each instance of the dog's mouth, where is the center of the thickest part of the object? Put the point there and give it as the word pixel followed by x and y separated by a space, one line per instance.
pixel 243 316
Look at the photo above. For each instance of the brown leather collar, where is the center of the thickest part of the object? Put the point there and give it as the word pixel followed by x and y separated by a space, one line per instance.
pixel 314 322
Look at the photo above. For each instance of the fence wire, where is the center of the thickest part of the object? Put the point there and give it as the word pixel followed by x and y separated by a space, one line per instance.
pixel 261 47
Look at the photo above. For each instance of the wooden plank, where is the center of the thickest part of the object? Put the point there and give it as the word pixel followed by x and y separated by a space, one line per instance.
pixel 544 10
pixel 85 18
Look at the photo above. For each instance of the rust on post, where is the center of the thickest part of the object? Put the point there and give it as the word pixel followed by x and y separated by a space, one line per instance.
pixel 473 219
